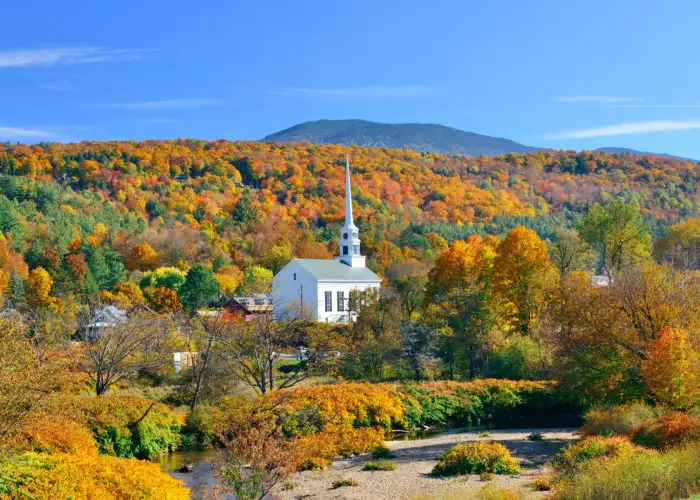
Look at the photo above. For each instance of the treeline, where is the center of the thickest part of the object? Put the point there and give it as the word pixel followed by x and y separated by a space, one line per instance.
pixel 93 215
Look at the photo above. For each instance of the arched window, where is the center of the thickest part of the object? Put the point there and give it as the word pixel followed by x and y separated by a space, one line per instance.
pixel 295 276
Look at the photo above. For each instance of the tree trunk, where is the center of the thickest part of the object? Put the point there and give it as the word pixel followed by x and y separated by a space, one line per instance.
pixel 202 372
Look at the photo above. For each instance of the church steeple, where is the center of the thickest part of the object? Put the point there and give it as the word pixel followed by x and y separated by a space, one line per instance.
pixel 349 234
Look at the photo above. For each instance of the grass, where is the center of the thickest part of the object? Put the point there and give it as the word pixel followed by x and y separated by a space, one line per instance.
pixel 535 436
pixel 492 492
pixel 383 465
pixel 344 482
pixel 542 483
pixel 674 474
pixel 382 452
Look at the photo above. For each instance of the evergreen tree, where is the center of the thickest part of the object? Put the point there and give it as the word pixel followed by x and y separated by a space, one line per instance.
pixel 199 289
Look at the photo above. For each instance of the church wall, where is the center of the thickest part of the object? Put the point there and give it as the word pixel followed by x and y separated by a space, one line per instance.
pixel 336 316
pixel 289 295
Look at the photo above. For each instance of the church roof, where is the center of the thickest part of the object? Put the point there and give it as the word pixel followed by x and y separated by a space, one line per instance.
pixel 333 270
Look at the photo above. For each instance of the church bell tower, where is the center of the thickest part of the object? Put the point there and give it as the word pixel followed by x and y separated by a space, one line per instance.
pixel 349 234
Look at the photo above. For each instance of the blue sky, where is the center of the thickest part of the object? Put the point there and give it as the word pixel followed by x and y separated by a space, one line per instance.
pixel 561 74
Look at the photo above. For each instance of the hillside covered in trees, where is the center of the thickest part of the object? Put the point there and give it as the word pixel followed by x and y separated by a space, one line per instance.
pixel 83 218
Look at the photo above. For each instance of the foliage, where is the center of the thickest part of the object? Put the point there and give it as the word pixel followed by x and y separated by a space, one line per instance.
pixel 130 427
pixel 199 289
pixel 535 436
pixel 672 369
pixel 382 452
pixel 491 492
pixel 475 458
pixel 379 465
pixel 84 476
pixel 578 455
pixel 198 431
pixel 622 420
pixel 344 482
pixel 256 279
pixel 671 429
pixel 673 474
pixel 542 483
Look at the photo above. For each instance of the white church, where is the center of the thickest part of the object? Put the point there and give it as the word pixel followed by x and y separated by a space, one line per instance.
pixel 319 289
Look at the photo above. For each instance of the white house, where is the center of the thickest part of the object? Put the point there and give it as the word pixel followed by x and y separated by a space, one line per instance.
pixel 320 289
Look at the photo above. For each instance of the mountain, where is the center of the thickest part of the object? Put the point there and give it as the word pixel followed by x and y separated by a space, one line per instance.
pixel 639 153
pixel 423 137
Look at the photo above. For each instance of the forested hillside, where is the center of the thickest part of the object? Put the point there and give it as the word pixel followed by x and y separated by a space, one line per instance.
pixel 89 215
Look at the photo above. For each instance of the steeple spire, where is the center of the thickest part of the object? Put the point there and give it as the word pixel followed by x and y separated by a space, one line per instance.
pixel 349 233
pixel 348 196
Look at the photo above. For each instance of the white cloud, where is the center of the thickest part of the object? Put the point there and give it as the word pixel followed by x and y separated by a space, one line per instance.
pixel 359 93
pixel 596 99
pixel 14 132
pixel 627 128
pixel 164 104
pixel 642 105
pixel 64 55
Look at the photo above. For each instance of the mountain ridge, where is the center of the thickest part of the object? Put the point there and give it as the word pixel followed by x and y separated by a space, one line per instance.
pixel 421 137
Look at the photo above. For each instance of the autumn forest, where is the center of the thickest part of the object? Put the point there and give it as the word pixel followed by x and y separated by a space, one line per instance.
pixel 553 288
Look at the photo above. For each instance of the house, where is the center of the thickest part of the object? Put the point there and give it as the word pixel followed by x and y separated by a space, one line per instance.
pixel 250 307
pixel 320 289
pixel 107 317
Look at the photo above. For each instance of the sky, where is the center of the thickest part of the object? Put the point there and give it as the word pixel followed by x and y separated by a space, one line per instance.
pixel 558 74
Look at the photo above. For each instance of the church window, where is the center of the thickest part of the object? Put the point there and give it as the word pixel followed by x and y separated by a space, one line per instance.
pixel 295 276
pixel 345 236
pixel 329 301
pixel 354 235
pixel 356 249
pixel 345 249
pixel 341 301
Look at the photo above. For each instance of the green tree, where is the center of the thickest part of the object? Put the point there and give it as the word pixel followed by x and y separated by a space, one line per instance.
pixel 568 251
pixel 256 279
pixel 199 289
pixel 619 235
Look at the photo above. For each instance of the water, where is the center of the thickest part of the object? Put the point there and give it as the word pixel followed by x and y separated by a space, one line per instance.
pixel 201 479
pixel 430 433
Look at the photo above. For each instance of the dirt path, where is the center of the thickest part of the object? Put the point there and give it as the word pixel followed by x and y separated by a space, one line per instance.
pixel 415 459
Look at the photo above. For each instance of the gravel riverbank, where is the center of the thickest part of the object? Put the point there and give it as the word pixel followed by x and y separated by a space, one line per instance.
pixel 416 458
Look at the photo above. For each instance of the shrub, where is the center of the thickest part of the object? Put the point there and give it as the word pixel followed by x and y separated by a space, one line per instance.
pixel 315 464
pixel 54 434
pixel 491 492
pixel 535 436
pixel 34 475
pixel 486 476
pixel 484 435
pixel 475 458
pixel 198 431
pixel 344 482
pixel 673 429
pixel 578 454
pixel 383 465
pixel 130 427
pixel 617 420
pixel 674 474
pixel 542 483
pixel 382 452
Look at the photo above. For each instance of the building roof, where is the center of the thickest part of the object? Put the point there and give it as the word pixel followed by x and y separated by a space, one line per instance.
pixel 108 316
pixel 334 270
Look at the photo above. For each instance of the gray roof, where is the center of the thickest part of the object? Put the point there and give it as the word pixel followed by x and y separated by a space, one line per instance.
pixel 334 270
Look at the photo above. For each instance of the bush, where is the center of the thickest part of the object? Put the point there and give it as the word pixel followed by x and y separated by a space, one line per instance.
pixel 542 483
pixel 315 464
pixel 673 429
pixel 54 434
pixel 618 419
pixel 382 452
pixel 535 436
pixel 484 435
pixel 475 458
pixel 383 465
pixel 344 482
pixel 130 427
pixel 491 492
pixel 34 475
pixel 198 432
pixel 674 474
pixel 577 455
pixel 486 476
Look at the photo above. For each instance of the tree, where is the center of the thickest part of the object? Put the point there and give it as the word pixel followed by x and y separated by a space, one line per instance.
pixel 199 289
pixel 672 369
pixel 244 212
pixel 164 300
pixel 409 281
pixel 39 284
pixel 418 341
pixel 256 279
pixel 619 235
pixel 142 256
pixel 522 273
pixel 568 251
pixel 682 245
pixel 253 347
pixel 139 343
